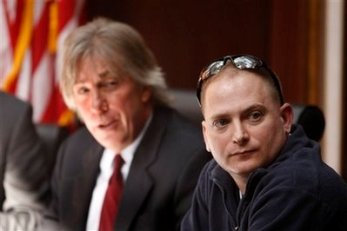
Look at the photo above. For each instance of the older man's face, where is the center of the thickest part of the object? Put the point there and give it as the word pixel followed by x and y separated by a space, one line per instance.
pixel 244 127
pixel 113 108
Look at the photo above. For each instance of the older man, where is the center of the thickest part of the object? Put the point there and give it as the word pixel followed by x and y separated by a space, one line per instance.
pixel 112 80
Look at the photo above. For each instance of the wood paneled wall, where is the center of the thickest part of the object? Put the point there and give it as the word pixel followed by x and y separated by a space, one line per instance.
pixel 186 35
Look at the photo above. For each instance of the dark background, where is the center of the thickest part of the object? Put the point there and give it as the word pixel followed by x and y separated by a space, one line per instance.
pixel 186 35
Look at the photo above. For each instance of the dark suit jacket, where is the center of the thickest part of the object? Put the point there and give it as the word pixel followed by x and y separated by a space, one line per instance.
pixel 160 183
pixel 23 175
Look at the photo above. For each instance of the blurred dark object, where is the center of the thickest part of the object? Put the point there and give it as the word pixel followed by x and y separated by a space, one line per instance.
pixel 311 118
pixel 52 135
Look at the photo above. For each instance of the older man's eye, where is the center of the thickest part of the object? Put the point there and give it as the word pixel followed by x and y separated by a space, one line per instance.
pixel 109 85
pixel 82 90
pixel 112 83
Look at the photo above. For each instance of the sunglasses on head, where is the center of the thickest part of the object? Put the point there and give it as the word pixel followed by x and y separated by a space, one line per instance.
pixel 243 62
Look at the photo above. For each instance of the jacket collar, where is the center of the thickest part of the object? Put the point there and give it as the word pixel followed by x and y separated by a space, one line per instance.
pixel 139 178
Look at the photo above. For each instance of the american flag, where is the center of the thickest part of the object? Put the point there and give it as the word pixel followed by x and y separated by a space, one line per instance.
pixel 31 34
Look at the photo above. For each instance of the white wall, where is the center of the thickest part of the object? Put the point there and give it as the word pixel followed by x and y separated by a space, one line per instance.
pixel 333 75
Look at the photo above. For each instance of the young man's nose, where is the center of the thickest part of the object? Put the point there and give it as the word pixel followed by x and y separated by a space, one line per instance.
pixel 240 134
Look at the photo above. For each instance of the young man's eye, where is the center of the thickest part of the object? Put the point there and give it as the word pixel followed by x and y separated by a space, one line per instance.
pixel 255 116
pixel 220 123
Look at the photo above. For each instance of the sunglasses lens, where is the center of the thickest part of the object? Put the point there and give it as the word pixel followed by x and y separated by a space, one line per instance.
pixel 212 69
pixel 246 62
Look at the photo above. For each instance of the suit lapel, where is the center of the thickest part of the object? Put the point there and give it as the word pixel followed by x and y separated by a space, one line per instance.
pixel 139 181
pixel 84 184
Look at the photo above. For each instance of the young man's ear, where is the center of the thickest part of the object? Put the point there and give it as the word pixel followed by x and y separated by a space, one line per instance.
pixel 204 132
pixel 287 115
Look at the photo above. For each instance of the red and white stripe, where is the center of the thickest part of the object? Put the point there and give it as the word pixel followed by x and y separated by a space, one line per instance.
pixel 32 33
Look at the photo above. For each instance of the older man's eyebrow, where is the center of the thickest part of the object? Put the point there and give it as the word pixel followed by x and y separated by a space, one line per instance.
pixel 104 74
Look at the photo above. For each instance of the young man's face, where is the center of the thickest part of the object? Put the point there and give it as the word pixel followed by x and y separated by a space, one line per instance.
pixel 113 108
pixel 244 126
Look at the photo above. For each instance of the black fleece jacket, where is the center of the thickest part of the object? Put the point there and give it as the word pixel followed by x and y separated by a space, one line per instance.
pixel 296 192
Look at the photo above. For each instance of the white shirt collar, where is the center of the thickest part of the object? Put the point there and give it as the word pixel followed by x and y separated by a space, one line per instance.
pixel 127 153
